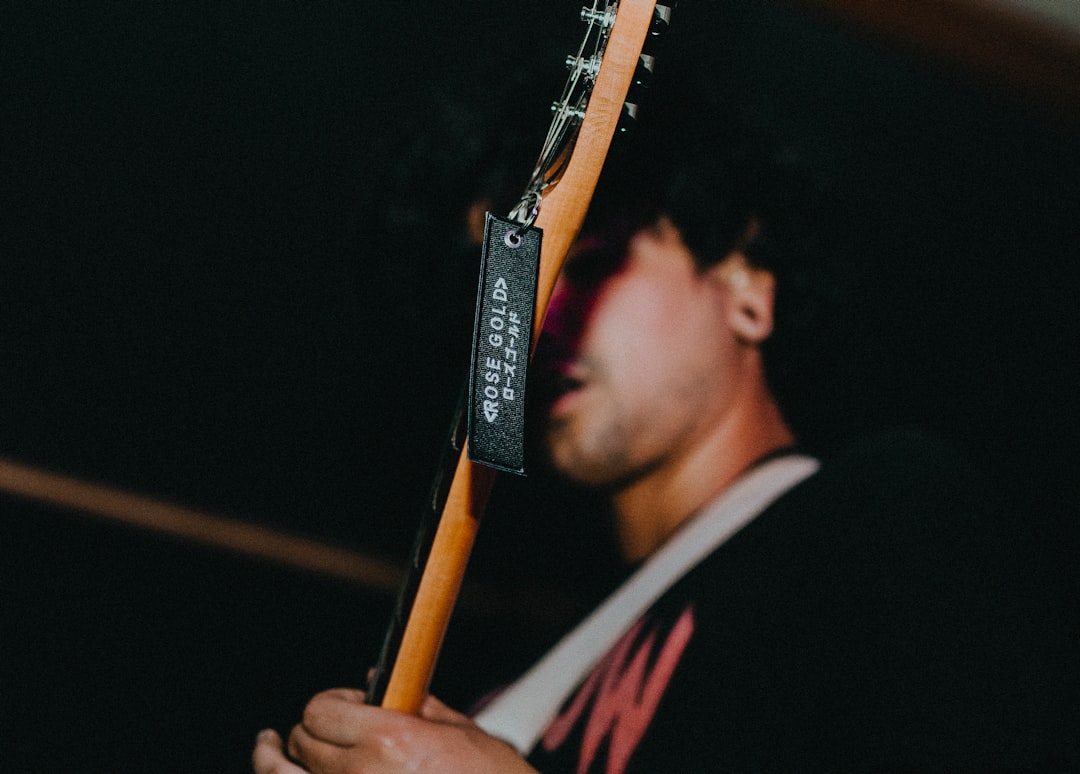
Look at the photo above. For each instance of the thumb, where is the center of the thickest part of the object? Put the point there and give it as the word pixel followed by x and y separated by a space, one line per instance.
pixel 434 710
pixel 268 757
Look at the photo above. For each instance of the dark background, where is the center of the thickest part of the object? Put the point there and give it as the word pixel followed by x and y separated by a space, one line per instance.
pixel 233 275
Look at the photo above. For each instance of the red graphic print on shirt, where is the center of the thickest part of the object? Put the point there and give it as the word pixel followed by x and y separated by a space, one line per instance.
pixel 624 691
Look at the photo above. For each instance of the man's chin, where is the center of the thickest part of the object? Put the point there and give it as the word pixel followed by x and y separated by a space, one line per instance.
pixel 574 463
pixel 564 453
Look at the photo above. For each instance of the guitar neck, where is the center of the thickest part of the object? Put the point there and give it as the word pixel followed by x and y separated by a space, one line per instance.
pixel 560 217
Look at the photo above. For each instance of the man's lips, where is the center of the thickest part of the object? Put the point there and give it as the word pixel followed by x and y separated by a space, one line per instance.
pixel 560 383
pixel 566 383
pixel 560 369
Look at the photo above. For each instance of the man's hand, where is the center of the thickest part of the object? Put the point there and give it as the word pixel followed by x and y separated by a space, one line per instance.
pixel 340 734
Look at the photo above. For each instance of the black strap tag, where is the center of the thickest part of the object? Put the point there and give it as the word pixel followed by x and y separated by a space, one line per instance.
pixel 505 304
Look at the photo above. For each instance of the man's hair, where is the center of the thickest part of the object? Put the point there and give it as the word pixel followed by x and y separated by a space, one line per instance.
pixel 715 189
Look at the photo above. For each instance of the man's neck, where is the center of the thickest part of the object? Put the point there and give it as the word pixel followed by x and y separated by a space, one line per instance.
pixel 651 508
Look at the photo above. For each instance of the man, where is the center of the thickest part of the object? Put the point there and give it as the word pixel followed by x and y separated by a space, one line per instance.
pixel 782 618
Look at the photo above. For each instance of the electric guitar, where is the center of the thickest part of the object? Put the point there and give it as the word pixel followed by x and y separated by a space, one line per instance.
pixel 586 118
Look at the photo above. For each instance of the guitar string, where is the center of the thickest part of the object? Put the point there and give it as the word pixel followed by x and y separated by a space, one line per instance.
pixel 569 111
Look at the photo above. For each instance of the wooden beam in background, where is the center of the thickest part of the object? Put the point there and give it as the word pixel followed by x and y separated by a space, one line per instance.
pixel 209 529
pixel 252 540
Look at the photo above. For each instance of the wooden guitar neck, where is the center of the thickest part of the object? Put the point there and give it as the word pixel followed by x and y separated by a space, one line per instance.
pixel 561 215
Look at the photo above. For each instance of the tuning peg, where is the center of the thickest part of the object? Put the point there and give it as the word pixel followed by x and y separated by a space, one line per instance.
pixel 589 67
pixel 661 19
pixel 643 73
pixel 573 112
pixel 627 119
pixel 605 18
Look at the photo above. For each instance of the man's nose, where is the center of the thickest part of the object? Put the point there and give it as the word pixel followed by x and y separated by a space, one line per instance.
pixel 567 311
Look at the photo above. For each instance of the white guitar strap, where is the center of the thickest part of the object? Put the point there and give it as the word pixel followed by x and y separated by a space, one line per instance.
pixel 524 710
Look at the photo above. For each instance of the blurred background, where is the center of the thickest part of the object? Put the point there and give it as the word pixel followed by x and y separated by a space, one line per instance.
pixel 235 276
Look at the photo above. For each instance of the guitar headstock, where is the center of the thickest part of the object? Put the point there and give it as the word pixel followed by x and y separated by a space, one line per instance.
pixel 612 68
pixel 646 68
pixel 585 66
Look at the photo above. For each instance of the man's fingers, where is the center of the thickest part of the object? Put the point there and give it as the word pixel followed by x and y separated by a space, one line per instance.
pixel 354 695
pixel 337 716
pixel 319 755
pixel 268 758
pixel 435 710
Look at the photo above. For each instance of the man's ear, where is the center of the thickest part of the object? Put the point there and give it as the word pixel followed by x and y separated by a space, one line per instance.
pixel 752 293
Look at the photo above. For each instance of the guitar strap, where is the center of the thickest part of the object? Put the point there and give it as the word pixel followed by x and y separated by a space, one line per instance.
pixel 524 710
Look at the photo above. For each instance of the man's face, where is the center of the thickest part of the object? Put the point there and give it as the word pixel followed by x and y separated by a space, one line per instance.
pixel 637 342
